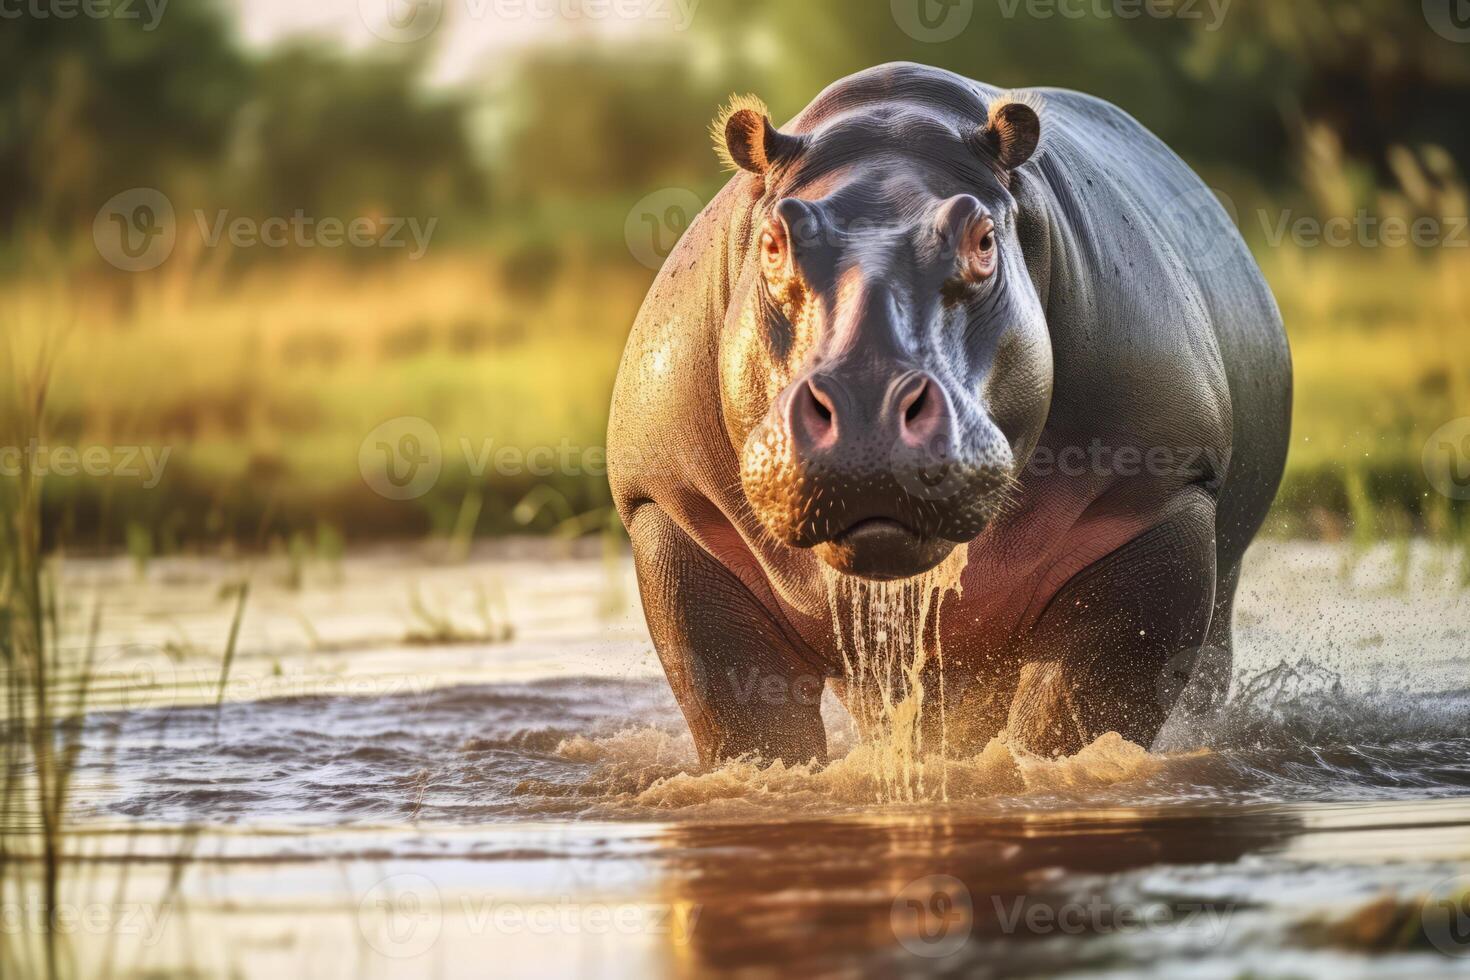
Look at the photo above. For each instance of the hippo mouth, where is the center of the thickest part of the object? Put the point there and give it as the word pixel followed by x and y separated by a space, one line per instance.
pixel 884 549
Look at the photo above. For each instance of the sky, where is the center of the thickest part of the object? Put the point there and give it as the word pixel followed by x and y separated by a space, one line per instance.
pixel 469 33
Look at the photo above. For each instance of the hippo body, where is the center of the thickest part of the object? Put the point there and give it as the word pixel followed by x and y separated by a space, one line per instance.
pixel 1066 319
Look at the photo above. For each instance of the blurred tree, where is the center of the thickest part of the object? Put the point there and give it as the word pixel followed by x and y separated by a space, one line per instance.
pixel 1373 72
pixel 341 136
pixel 593 117
pixel 93 106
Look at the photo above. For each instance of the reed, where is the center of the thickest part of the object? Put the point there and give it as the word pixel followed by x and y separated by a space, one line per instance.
pixel 48 670
pixel 438 627
pixel 42 726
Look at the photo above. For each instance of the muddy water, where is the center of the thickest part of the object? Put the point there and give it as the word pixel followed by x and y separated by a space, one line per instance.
pixel 393 788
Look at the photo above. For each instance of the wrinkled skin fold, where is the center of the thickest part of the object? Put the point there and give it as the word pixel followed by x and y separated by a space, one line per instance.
pixel 929 315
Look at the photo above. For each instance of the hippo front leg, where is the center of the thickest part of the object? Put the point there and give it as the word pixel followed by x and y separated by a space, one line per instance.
pixel 736 675
pixel 1098 660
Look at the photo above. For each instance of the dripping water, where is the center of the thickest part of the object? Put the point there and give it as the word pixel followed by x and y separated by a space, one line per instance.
pixel 889 637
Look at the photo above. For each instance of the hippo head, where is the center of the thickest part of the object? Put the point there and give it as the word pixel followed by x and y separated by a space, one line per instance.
pixel 885 364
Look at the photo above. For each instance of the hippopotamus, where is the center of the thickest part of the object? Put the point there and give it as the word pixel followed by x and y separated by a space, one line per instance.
pixel 929 314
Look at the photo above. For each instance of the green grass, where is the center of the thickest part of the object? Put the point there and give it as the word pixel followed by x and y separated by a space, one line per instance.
pixel 1381 355
pixel 262 396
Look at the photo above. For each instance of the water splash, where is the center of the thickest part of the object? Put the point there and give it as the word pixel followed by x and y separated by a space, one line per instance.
pixel 888 633
pixel 640 771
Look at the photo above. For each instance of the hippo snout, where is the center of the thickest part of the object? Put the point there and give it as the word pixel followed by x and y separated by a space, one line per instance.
pixel 835 424
pixel 882 476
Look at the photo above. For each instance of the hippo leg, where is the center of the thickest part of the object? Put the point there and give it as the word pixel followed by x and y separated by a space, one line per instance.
pixel 1103 655
pixel 738 679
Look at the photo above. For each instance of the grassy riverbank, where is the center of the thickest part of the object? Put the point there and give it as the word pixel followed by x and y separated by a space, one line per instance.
pixel 240 410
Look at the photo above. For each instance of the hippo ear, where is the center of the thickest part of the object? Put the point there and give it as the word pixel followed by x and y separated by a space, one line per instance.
pixel 1013 130
pixel 745 139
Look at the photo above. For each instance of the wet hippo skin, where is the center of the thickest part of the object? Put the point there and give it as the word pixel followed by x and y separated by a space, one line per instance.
pixel 928 315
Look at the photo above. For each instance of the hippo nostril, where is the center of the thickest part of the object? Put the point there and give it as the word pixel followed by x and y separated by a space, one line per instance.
pixel 921 410
pixel 820 403
pixel 813 416
pixel 916 404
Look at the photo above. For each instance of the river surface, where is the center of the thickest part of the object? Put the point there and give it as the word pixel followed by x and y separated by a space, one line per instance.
pixel 475 769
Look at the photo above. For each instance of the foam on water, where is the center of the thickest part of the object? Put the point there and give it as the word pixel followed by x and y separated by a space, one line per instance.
pixel 643 769
pixel 1290 733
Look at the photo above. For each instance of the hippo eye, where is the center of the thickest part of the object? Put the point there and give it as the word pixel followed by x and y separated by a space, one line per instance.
pixel 979 258
pixel 773 247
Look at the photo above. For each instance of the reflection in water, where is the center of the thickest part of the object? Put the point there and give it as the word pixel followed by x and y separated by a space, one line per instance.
pixel 1023 895
pixel 812 895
